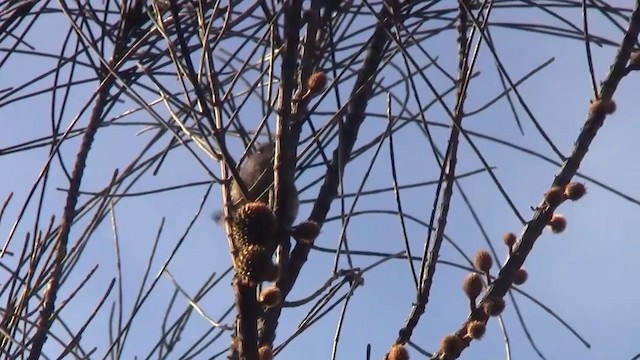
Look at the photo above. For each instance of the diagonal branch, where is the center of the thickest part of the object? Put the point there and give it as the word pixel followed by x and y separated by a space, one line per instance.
pixel 46 314
pixel 536 225
pixel 447 181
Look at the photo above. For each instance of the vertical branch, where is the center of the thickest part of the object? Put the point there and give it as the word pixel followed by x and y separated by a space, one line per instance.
pixel 45 318
pixel 447 177
pixel 360 95
pixel 285 148
pixel 246 324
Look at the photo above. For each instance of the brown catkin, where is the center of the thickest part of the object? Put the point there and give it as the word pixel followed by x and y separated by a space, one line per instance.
pixel 476 329
pixel 306 232
pixel 510 239
pixel 450 345
pixel 520 276
pixel 265 352
pixel 554 196
pixel 600 108
pixel 317 82
pixel 609 106
pixel 398 352
pixel 494 306
pixel 483 261
pixel 270 297
pixel 558 223
pixel 472 286
pixel 574 191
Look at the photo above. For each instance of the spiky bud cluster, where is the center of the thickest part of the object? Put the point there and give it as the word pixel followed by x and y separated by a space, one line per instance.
pixel 520 276
pixel 306 232
pixel 265 352
pixel 574 191
pixel 558 223
pixel 253 263
pixel 483 261
pixel 253 233
pixel 554 196
pixel 472 286
pixel 494 306
pixel 476 329
pixel 270 297
pixel 450 345
pixel 601 108
pixel 397 352
pixel 254 224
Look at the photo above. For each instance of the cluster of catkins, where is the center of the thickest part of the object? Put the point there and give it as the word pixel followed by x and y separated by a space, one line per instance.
pixel 452 345
pixel 253 231
pixel 555 196
pixel 473 285
pixel 253 234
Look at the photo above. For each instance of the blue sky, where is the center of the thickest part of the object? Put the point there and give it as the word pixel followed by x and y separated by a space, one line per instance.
pixel 585 275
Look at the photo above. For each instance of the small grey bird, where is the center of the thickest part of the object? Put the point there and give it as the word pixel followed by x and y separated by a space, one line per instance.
pixel 257 173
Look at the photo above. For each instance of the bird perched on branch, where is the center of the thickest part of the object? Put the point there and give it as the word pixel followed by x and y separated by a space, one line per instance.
pixel 257 174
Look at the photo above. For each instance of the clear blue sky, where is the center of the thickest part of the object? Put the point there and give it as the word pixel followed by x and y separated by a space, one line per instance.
pixel 585 275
